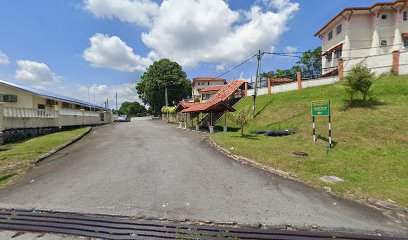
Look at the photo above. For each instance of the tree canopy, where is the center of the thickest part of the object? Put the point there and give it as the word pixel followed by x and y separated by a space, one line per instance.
pixel 132 109
pixel 310 64
pixel 153 82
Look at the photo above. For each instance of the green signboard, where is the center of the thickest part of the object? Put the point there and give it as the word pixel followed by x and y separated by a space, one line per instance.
pixel 321 108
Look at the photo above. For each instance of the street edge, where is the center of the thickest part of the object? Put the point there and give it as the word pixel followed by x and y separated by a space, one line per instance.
pixel 392 210
pixel 59 148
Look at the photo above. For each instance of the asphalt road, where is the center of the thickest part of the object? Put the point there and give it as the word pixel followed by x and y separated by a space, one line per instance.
pixel 149 169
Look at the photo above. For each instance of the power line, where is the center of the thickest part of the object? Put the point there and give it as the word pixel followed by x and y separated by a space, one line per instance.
pixel 237 66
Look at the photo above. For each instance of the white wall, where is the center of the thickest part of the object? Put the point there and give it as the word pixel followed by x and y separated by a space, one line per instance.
pixel 294 86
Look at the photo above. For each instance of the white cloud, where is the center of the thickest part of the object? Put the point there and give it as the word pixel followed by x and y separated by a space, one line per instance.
pixel 112 52
pixel 37 72
pixel 3 58
pixel 126 92
pixel 139 12
pixel 194 31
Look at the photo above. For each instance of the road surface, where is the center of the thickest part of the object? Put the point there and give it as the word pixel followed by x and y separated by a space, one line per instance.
pixel 149 169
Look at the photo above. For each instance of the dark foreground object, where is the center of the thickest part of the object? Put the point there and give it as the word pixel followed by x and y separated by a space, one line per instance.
pixel 274 133
pixel 108 227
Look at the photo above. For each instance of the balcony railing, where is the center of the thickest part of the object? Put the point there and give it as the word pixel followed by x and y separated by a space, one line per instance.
pixel 29 113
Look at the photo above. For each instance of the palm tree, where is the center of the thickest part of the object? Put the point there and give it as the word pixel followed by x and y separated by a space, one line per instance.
pixel 359 80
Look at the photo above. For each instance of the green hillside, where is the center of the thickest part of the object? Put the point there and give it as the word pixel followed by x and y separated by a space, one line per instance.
pixel 371 151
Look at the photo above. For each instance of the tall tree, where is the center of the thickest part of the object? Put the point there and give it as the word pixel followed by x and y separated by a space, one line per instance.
pixel 161 74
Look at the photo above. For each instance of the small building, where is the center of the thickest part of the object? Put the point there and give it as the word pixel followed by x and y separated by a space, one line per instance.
pixel 19 96
pixel 207 93
pixel 205 82
pixel 375 35
pixel 27 112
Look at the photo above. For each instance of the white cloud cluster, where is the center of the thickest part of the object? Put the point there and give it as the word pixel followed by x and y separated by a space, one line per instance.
pixel 126 92
pixel 37 72
pixel 194 31
pixel 139 12
pixel 3 58
pixel 112 52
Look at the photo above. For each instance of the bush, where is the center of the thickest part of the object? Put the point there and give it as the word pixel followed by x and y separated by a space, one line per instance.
pixel 171 110
pixel 359 81
pixel 242 118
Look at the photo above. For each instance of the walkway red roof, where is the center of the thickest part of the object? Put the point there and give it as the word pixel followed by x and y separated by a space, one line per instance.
pixel 184 104
pixel 211 89
pixel 218 99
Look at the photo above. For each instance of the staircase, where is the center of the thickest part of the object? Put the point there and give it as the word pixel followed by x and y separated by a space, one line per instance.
pixel 205 122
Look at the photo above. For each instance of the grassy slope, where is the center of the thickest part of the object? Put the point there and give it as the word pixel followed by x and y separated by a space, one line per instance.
pixel 15 162
pixel 372 143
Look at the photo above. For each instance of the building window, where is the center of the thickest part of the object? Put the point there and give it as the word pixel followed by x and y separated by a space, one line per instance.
pixel 329 57
pixel 338 54
pixel 330 35
pixel 66 105
pixel 405 42
pixel 41 106
pixel 405 16
pixel 384 16
pixel 338 29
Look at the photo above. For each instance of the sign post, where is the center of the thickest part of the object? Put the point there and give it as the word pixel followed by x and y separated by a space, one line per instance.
pixel 321 109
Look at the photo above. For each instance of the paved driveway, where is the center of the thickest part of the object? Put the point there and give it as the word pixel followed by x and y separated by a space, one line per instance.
pixel 147 168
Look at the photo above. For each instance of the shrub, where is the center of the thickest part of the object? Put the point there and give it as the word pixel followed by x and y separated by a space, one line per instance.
pixel 170 109
pixel 242 118
pixel 359 81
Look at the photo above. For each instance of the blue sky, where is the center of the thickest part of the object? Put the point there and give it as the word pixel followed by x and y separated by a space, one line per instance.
pixel 47 44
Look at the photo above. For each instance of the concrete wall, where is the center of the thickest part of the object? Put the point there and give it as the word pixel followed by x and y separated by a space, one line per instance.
pixel 294 86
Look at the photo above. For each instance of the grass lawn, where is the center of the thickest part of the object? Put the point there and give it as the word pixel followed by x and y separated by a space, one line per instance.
pixel 16 161
pixel 371 153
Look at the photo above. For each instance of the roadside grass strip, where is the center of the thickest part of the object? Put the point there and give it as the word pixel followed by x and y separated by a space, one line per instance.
pixel 22 155
pixel 370 143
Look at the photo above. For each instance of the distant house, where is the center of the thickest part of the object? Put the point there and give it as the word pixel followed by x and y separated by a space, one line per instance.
pixel 201 83
pixel 376 35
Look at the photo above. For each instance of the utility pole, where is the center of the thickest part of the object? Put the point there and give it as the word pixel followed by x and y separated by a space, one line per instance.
pixel 256 80
pixel 116 99
pixel 167 104
pixel 107 103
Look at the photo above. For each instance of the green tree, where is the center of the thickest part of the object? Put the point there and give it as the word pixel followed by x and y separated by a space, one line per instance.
pixel 311 63
pixel 359 81
pixel 242 118
pixel 132 109
pixel 153 82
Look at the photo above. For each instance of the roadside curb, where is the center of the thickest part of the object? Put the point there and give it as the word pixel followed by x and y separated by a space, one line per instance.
pixel 59 148
pixel 389 209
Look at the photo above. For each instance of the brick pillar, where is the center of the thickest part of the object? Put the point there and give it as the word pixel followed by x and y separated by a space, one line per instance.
pixel 269 86
pixel 395 62
pixel 246 89
pixel 340 68
pixel 299 79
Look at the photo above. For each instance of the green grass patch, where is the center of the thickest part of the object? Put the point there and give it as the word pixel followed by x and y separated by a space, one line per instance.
pixel 16 161
pixel 371 142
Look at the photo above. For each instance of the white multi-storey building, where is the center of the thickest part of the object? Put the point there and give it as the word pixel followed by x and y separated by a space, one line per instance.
pixel 376 35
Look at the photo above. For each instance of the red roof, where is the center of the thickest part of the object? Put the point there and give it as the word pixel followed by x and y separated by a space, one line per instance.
pixel 218 99
pixel 405 35
pixel 183 105
pixel 211 89
pixel 208 79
